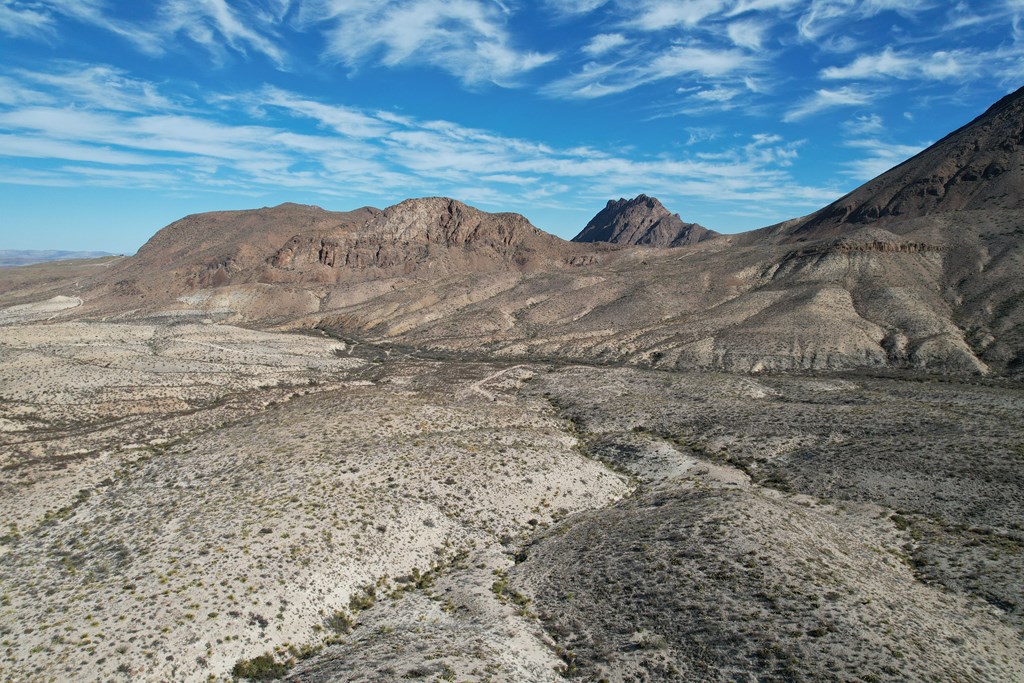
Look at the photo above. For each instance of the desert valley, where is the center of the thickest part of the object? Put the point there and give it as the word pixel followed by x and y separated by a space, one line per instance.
pixel 433 443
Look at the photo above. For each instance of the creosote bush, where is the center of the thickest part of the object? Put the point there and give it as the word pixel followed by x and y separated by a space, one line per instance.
pixel 261 668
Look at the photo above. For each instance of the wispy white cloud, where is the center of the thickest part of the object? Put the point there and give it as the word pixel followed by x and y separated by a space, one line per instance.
pixel 824 99
pixel 593 80
pixel 699 134
pixel 598 80
pixel 657 15
pixel 16 93
pixel 97 85
pixel 748 33
pixel 570 7
pixel 717 94
pixel 214 25
pixel 359 152
pixel 684 59
pixel 24 19
pixel 46 147
pixel 864 124
pixel 888 63
pixel 110 177
pixel 345 120
pixel 97 13
pixel 824 17
pixel 603 42
pixel 467 38
pixel 743 6
pixel 876 156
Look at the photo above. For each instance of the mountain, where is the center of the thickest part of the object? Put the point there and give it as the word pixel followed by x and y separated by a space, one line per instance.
pixel 215 248
pixel 977 167
pixel 27 257
pixel 929 283
pixel 296 243
pixel 644 221
pixel 280 262
pixel 434 230
pixel 929 280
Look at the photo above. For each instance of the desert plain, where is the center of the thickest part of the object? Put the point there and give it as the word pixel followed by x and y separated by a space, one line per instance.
pixel 184 499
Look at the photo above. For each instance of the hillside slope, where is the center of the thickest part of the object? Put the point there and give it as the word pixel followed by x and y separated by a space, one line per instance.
pixel 979 166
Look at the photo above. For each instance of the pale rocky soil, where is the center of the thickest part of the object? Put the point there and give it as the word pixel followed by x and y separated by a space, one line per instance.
pixel 764 541
pixel 181 497
pixel 43 310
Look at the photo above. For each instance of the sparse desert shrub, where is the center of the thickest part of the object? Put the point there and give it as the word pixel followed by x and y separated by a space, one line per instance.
pixel 340 622
pixel 261 668
pixel 646 640
pixel 364 599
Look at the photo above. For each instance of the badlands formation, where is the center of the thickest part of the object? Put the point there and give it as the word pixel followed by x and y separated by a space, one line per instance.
pixel 433 443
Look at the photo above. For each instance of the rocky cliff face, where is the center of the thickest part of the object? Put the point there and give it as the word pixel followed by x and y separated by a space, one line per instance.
pixel 220 248
pixel 416 230
pixel 642 220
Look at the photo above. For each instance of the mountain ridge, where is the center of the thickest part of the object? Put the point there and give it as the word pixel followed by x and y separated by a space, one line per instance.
pixel 934 286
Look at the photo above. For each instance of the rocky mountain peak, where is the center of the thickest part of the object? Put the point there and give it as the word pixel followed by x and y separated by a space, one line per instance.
pixel 978 166
pixel 642 220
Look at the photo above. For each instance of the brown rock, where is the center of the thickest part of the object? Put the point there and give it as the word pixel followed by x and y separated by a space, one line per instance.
pixel 642 221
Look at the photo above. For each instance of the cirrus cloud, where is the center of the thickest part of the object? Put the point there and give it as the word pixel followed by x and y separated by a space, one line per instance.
pixel 888 63
pixel 824 99
pixel 467 38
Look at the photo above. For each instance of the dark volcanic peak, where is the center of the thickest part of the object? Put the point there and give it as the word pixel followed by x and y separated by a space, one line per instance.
pixel 979 166
pixel 641 220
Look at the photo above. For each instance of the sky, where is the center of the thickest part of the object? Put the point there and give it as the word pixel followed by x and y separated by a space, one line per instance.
pixel 119 117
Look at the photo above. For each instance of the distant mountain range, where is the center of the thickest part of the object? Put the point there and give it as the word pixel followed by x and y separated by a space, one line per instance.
pixel 921 268
pixel 27 257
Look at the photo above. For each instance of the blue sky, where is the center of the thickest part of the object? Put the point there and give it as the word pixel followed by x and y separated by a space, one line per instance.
pixel 117 118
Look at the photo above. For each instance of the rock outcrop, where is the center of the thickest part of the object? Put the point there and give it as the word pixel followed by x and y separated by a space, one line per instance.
pixel 644 221
pixel 416 230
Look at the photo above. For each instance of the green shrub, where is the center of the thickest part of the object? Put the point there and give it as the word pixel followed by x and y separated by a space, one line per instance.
pixel 262 668
pixel 340 622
